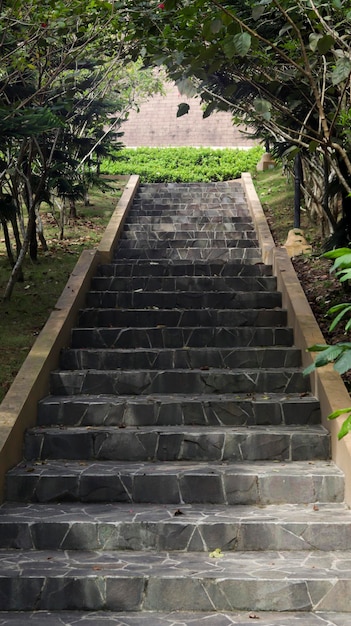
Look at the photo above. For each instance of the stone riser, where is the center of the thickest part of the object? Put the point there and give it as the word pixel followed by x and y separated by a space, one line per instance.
pixel 176 444
pixel 175 318
pixel 179 206
pixel 144 382
pixel 143 582
pixel 185 283
pixel 188 209
pixel 210 229
pixel 184 299
pixel 201 243
pixel 190 528
pixel 180 337
pixel 150 235
pixel 189 358
pixel 164 268
pixel 250 255
pixel 175 483
pixel 231 410
pixel 177 221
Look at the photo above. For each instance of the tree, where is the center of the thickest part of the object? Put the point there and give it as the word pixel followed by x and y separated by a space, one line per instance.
pixel 282 67
pixel 60 82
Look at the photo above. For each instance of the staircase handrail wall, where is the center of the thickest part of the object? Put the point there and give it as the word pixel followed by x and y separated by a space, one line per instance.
pixel 326 384
pixel 18 410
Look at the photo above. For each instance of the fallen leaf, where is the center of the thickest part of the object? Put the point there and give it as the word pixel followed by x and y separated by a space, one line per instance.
pixel 216 554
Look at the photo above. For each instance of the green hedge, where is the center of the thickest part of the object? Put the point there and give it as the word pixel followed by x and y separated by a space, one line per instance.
pixel 183 164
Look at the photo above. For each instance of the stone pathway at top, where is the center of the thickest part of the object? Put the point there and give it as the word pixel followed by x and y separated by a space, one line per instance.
pixel 179 474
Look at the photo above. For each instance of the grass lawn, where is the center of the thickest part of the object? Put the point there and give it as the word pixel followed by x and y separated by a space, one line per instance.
pixel 32 301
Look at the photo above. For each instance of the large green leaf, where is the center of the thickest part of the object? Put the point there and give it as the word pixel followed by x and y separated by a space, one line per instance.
pixel 342 70
pixel 334 254
pixel 183 109
pixel 343 363
pixel 345 428
pixel 242 42
pixel 325 43
pixel 263 108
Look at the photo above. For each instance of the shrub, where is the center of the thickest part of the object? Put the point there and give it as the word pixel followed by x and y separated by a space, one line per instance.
pixel 155 165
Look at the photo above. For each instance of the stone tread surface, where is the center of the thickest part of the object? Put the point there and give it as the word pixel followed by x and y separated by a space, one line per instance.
pixel 176 618
pixel 155 581
pixel 201 528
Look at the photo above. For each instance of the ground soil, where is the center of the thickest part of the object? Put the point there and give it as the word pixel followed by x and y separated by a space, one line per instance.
pixel 322 289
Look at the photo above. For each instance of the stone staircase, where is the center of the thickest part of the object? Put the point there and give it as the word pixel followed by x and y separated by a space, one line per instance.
pixel 178 474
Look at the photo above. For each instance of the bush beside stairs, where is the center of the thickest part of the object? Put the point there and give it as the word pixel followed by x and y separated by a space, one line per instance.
pixel 178 474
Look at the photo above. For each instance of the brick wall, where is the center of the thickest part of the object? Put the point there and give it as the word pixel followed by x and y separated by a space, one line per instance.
pixel 157 125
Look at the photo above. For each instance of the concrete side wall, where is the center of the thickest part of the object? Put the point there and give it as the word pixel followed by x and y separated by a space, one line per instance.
pixel 157 125
pixel 18 410
pixel 326 383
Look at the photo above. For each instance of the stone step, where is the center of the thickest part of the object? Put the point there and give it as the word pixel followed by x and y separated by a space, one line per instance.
pixel 256 483
pixel 175 337
pixel 214 219
pixel 178 206
pixel 201 238
pixel 228 231
pixel 184 299
pixel 182 268
pixel 177 443
pixel 210 228
pixel 184 283
pixel 203 242
pixel 196 381
pixel 179 358
pixel 174 618
pixel 247 255
pixel 189 528
pixel 186 410
pixel 150 581
pixel 93 317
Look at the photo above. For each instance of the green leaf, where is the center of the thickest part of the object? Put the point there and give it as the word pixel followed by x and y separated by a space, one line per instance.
pixel 318 347
pixel 339 317
pixel 343 364
pixel 344 275
pixel 337 307
pixel 342 70
pixel 337 413
pixel 325 43
pixel 344 260
pixel 258 11
pixel 334 254
pixel 242 42
pixel 229 47
pixel 345 428
pixel 263 108
pixel 183 109
pixel 313 41
pixel 216 25
pixel 209 109
pixel 313 145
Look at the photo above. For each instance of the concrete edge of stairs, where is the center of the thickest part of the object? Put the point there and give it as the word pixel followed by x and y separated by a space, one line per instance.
pixel 19 407
pixel 327 384
pixel 18 410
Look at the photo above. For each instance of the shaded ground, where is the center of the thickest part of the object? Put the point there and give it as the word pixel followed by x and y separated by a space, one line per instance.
pixel 321 287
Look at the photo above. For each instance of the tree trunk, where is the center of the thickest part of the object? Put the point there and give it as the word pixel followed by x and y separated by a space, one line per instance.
pixel 33 243
pixel 73 210
pixel 17 269
pixel 10 256
pixel 40 232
